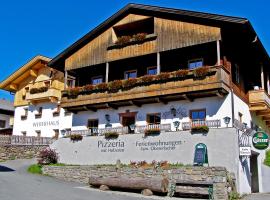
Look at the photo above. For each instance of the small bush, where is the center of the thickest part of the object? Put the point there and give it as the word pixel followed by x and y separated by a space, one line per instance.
pixel 111 135
pixel 181 73
pixel 129 83
pixel 201 72
pixel 267 158
pixel 154 131
pixel 101 86
pixel 88 88
pixel 74 92
pixel 75 137
pixel 147 78
pixel 139 36
pixel 47 156
pixel 114 86
pixel 38 90
pixel 123 40
pixel 163 76
pixel 200 129
pixel 234 196
pixel 35 169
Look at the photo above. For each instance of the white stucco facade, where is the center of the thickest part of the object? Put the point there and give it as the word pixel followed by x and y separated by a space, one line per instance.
pixel 47 124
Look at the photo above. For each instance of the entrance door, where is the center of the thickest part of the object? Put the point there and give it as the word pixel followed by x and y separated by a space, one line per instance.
pixel 254 173
pixel 127 121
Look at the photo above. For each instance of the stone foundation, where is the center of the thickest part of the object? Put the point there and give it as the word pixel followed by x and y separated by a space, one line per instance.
pixel 217 175
pixel 12 152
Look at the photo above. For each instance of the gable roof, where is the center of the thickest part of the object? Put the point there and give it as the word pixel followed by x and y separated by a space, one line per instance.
pixel 18 73
pixel 185 15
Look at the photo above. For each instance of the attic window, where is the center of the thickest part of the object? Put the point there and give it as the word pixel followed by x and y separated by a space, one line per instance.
pixel 134 32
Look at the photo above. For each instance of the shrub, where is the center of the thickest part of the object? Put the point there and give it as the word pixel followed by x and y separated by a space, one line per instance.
pixel 181 73
pixel 88 88
pixel 111 135
pixel 153 131
pixel 75 137
pixel 35 169
pixel 101 86
pixel 114 86
pixel 74 92
pixel 38 90
pixel 200 129
pixel 147 78
pixel 163 76
pixel 47 156
pixel 201 72
pixel 139 36
pixel 129 83
pixel 123 40
pixel 267 158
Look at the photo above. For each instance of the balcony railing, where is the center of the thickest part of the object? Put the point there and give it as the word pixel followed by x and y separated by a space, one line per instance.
pixel 120 130
pixel 24 140
pixel 50 93
pixel 258 100
pixel 209 123
pixel 162 89
pixel 161 127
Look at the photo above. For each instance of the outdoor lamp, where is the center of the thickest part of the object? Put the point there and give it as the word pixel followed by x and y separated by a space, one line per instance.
pixel 176 125
pixel 173 111
pixel 132 127
pixel 245 125
pixel 107 117
pixel 227 120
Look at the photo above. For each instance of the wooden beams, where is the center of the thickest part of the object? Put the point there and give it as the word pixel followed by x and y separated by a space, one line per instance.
pixel 107 73
pixel 262 77
pixel 263 113
pixel 33 73
pixel 65 79
pixel 186 97
pixel 13 86
pixel 218 52
pixel 158 63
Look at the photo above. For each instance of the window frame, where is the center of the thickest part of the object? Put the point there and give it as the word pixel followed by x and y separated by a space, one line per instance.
pixel 96 77
pixel 4 122
pixel 128 71
pixel 148 68
pixel 195 60
pixel 197 110
pixel 147 117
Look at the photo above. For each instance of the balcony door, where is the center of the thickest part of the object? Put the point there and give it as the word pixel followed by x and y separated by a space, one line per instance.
pixel 128 119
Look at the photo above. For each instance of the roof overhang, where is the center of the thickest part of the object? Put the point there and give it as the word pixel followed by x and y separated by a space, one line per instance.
pixel 10 83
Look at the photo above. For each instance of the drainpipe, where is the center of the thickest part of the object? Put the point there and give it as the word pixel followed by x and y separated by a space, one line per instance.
pixel 232 101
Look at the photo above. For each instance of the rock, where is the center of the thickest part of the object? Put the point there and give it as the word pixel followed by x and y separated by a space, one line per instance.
pixel 104 187
pixel 147 192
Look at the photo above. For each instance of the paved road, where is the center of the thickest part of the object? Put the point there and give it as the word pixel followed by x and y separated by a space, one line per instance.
pixel 257 197
pixel 16 183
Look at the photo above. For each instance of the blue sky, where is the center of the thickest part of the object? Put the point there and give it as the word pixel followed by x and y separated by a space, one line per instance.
pixel 32 27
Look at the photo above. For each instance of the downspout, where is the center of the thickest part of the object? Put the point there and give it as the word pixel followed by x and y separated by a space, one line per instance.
pixel 232 102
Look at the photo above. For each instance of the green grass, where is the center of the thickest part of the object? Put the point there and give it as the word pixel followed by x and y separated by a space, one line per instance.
pixel 267 158
pixel 35 169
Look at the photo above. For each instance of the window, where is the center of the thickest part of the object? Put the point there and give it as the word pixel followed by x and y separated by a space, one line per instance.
pixel 196 115
pixel 39 114
pixel 71 81
pixel 237 74
pixel 193 64
pixel 96 80
pixel 24 133
pixel 2 123
pixel 24 117
pixel 153 118
pixel 38 133
pixel 57 112
pixel 152 70
pixel 131 74
pixel 93 125
pixel 240 117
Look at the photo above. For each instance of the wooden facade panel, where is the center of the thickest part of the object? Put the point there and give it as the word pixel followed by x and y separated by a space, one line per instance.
pixel 176 34
pixel 91 54
pixel 131 18
pixel 132 51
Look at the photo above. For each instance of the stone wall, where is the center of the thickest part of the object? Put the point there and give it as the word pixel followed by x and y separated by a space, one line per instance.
pixel 217 175
pixel 11 152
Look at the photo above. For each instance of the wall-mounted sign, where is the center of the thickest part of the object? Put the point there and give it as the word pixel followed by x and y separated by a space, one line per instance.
pixel 46 123
pixel 245 151
pixel 201 155
pixel 260 140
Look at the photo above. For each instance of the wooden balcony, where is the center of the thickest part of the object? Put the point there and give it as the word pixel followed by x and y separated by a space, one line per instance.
pixel 217 83
pixel 209 123
pixel 52 94
pixel 259 102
